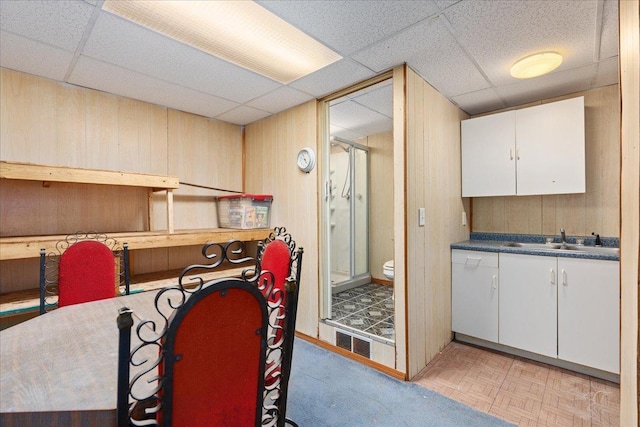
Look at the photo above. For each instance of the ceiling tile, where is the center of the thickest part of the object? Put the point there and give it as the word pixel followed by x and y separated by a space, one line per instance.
pixel 609 39
pixel 120 81
pixel 432 52
pixel 607 73
pixel 347 26
pixel 480 102
pixel 347 134
pixel 280 99
pixel 28 56
pixel 377 98
pixel 243 115
pixel 58 23
pixel 120 42
pixel 498 33
pixel 443 4
pixel 548 86
pixel 351 115
pixel 332 77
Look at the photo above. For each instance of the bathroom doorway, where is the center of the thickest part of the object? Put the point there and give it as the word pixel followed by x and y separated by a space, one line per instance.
pixel 358 212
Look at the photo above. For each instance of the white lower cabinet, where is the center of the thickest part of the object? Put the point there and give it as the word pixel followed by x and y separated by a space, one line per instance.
pixel 528 303
pixel 474 294
pixel 564 308
pixel 589 313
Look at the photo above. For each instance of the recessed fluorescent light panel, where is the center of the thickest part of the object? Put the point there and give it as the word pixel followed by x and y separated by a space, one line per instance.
pixel 241 32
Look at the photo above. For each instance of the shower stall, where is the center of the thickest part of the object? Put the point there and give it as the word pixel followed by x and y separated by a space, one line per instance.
pixel 349 215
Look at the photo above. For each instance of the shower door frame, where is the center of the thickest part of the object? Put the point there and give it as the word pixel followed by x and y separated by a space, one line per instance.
pixel 355 279
pixel 327 288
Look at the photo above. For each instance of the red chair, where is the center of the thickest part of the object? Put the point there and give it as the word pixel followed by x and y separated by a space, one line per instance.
pixel 223 358
pixel 86 267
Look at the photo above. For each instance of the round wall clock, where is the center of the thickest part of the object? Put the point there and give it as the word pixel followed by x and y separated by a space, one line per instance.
pixel 306 159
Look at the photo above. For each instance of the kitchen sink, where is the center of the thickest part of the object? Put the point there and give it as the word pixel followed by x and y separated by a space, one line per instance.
pixel 563 248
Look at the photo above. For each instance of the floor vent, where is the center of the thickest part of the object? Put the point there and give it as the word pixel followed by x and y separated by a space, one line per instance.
pixel 353 343
pixel 343 340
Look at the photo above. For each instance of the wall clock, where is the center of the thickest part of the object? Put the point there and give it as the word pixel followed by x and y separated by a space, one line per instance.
pixel 306 159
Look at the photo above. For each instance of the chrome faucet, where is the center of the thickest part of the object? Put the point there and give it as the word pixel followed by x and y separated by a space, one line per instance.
pixel 563 237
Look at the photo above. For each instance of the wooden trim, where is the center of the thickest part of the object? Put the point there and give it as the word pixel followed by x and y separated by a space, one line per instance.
pixel 356 357
pixel 629 27
pixel 44 173
pixel 358 86
pixel 29 246
pixel 400 214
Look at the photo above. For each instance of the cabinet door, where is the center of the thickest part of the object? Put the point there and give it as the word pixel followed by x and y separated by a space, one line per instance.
pixel 528 303
pixel 550 148
pixel 589 313
pixel 488 155
pixel 474 294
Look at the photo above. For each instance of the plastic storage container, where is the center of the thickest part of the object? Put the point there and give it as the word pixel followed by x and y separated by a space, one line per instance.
pixel 244 211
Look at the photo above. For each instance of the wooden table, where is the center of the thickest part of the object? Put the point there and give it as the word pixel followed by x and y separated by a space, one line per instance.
pixel 60 369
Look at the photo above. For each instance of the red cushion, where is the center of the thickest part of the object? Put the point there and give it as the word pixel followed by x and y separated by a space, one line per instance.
pixel 276 258
pixel 87 272
pixel 215 382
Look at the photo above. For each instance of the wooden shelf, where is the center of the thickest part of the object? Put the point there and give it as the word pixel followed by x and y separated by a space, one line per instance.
pixel 33 172
pixel 48 174
pixel 29 246
pixel 28 300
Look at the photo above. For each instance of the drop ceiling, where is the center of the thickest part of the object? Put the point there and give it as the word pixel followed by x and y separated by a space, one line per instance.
pixel 464 49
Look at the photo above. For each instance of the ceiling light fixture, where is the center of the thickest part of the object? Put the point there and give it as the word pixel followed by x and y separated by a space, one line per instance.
pixel 536 65
pixel 240 32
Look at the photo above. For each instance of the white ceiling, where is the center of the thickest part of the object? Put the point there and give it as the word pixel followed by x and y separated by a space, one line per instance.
pixel 462 48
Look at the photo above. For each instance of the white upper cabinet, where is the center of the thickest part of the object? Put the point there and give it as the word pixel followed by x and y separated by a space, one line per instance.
pixel 535 150
pixel 488 155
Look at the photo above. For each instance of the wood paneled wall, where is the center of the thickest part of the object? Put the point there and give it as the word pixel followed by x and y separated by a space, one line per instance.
pixel 433 177
pixel 52 123
pixel 630 211
pixel 597 210
pixel 271 146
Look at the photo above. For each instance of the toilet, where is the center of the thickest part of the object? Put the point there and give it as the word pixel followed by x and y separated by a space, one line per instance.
pixel 387 270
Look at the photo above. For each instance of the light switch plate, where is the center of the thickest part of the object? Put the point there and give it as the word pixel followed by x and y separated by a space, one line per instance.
pixel 421 217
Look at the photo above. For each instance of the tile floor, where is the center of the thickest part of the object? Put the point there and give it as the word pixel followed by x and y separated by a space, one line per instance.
pixel 367 308
pixel 521 391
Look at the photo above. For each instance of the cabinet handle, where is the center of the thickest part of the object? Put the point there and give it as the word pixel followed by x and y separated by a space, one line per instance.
pixel 552 276
pixel 564 277
pixel 494 281
pixel 511 153
pixel 472 258
pixel 518 153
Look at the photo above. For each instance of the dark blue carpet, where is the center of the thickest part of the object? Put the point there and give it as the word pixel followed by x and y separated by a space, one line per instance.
pixel 327 389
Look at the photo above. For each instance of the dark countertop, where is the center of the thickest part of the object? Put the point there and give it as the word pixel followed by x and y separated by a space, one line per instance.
pixel 496 242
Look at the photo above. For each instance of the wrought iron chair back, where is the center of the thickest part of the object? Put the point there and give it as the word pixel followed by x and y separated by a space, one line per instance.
pixel 215 343
pixel 83 267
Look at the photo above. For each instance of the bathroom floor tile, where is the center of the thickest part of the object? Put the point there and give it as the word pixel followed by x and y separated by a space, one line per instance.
pixel 368 308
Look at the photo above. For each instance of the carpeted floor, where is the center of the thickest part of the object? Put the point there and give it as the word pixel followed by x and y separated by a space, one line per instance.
pixel 327 389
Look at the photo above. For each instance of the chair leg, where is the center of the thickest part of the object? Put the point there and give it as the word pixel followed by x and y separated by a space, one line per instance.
pixel 125 322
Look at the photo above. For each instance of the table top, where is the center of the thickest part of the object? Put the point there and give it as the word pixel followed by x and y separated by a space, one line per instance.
pixel 66 360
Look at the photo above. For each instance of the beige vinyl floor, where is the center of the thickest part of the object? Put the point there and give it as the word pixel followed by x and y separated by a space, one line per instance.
pixel 519 390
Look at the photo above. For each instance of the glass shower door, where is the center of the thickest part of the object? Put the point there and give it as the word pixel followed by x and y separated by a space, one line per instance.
pixel 349 216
